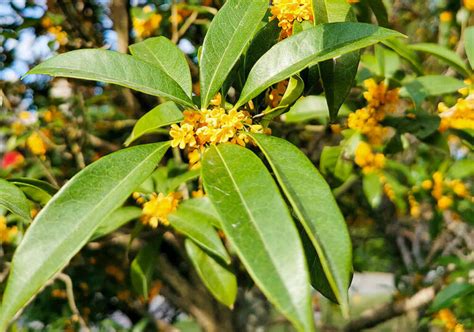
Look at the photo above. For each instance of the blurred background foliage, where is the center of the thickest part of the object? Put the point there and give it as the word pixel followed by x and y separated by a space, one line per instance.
pixel 403 182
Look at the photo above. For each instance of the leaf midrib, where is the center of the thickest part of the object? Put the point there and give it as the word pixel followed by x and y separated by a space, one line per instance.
pixel 237 189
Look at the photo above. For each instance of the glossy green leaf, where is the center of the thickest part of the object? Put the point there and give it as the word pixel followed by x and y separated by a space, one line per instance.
pixel 337 75
pixel 307 48
pixel 316 209
pixel 373 189
pixel 163 53
pixel 443 53
pixel 229 33
pixel 422 124
pixel 221 282
pixel 259 226
pixel 116 219
pixel 469 45
pixel 448 295
pixel 14 200
pixel 36 190
pixel 141 269
pixel 115 68
pixel 175 182
pixel 199 229
pixel 160 116
pixel 71 217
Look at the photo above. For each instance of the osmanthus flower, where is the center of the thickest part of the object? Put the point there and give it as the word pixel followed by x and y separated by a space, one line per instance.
pixel 7 234
pixel 460 116
pixel 214 125
pixel 366 159
pixel 289 11
pixel 36 144
pixel 444 190
pixel 380 102
pixel 469 4
pixel 157 207
pixel 449 321
pixel 147 24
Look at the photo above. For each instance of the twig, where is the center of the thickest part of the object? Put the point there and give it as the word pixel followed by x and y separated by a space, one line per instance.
pixel 385 312
pixel 70 299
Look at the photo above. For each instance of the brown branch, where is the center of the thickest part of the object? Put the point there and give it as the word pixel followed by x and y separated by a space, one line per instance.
pixel 388 311
pixel 70 299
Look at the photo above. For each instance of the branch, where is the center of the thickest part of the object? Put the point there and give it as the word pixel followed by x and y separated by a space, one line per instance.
pixel 72 303
pixel 385 312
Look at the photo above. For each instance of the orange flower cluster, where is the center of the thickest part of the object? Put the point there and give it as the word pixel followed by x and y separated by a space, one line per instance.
pixel 449 321
pixel 7 234
pixel 289 11
pixel 150 22
pixel 367 160
pixel 460 116
pixel 156 209
pixel 443 190
pixel 380 101
pixel 211 126
pixel 55 30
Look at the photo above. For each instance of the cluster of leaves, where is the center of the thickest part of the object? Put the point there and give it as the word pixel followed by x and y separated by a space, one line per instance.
pixel 267 209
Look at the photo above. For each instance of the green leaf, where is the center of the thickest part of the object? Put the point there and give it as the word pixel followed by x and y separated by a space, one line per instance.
pixel 307 48
pixel 447 296
pixel 307 108
pixel 422 124
pixel 141 269
pixel 469 45
pixel 160 116
pixel 71 217
pixel 221 282
pixel 163 53
pixel 199 229
pixel 175 182
pixel 203 209
pixel 443 53
pixel 115 220
pixel 373 189
pixel 334 161
pixel 461 169
pixel 316 209
pixel 36 190
pixel 337 75
pixel 259 226
pixel 380 12
pixel 115 68
pixel 432 85
pixel 13 199
pixel 405 52
pixel 229 33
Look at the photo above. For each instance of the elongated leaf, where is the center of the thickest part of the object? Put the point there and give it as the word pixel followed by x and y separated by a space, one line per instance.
pixel 431 85
pixel 198 229
pixel 446 297
pixel 316 208
pixel 373 189
pixel 163 53
pixel 307 48
pixel 469 45
pixel 405 52
pixel 116 219
pixel 444 54
pixel 203 209
pixel 230 31
pixel 162 115
pixel 71 217
pixel 337 75
pixel 259 226
pixel 13 199
pixel 221 282
pixel 115 68
pixel 307 108
pixel 174 183
pixel 141 269
pixel 380 12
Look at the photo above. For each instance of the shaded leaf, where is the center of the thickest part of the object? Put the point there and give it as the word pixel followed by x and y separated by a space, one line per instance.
pixel 13 199
pixel 448 295
pixel 443 53
pixel 160 116
pixel 469 45
pixel 115 220
pixel 141 269
pixel 36 190
pixel 373 189
pixel 221 282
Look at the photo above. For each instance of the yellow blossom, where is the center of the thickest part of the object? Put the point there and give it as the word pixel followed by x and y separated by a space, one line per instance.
pixel 460 116
pixel 6 233
pixel 415 210
pixel 36 144
pixel 157 209
pixel 289 11
pixel 367 160
pixel 446 16
pixel 469 4
pixel 353 1
pixel 445 202
pixel 145 27
pixel 427 184
pixel 449 321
